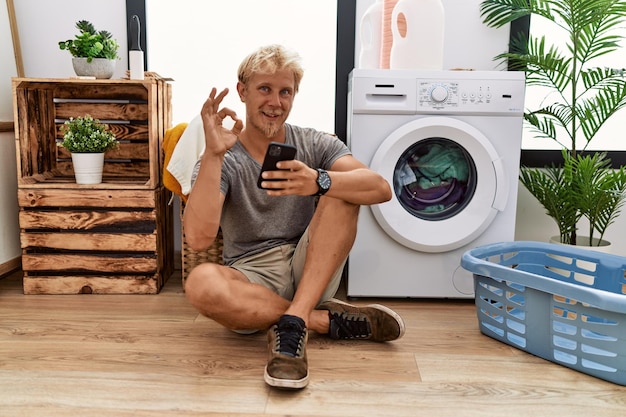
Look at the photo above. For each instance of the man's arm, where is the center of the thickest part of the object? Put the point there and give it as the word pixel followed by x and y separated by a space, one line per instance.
pixel 354 182
pixel 351 181
pixel 201 218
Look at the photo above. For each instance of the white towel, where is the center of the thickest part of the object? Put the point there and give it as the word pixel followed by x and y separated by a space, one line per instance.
pixel 188 150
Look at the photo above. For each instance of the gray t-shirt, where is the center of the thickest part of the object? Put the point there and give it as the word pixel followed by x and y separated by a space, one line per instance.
pixel 251 220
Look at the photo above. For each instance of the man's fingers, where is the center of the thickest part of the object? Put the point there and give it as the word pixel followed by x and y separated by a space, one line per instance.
pixel 226 112
pixel 238 127
pixel 219 98
pixel 211 105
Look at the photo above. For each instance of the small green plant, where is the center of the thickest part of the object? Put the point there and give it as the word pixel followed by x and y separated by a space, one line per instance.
pixel 87 135
pixel 90 43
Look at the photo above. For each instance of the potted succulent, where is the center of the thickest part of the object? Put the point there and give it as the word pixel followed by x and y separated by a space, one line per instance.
pixel 580 98
pixel 87 139
pixel 94 52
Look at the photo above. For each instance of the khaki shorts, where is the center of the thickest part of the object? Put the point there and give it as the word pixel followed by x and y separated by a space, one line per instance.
pixel 280 269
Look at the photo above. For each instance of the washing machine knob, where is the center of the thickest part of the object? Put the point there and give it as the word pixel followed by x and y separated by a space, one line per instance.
pixel 439 94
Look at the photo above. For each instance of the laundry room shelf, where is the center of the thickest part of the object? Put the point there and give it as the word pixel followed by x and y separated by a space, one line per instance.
pixel 564 304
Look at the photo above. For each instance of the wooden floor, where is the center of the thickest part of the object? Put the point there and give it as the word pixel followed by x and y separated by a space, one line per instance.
pixel 152 355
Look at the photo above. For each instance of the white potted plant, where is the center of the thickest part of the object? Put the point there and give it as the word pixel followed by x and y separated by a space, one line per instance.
pixel 580 98
pixel 94 52
pixel 87 139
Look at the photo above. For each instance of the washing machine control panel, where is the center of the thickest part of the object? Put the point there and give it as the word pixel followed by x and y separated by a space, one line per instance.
pixel 441 95
pixel 438 94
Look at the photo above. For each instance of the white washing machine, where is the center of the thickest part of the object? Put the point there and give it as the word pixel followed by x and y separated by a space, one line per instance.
pixel 449 143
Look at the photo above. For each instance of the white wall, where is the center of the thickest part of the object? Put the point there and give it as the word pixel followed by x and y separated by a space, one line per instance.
pixel 9 226
pixel 42 24
pixel 206 41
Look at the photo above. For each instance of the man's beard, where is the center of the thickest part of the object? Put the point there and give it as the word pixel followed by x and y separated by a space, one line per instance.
pixel 269 129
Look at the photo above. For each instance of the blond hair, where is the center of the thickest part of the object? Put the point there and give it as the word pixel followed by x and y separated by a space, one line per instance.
pixel 269 59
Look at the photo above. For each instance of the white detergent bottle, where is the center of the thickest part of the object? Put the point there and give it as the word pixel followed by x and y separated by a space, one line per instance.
pixel 418 29
pixel 370 31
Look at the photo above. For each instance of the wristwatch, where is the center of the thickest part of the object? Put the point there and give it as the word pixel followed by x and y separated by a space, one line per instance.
pixel 323 181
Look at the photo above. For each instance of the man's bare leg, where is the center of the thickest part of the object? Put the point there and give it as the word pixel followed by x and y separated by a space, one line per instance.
pixel 226 296
pixel 331 235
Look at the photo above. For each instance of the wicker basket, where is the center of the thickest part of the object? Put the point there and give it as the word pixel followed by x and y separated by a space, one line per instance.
pixel 192 258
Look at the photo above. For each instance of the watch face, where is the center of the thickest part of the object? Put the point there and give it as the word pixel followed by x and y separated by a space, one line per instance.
pixel 323 180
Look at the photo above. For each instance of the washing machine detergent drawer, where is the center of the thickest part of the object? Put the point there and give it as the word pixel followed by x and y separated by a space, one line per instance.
pixel 384 96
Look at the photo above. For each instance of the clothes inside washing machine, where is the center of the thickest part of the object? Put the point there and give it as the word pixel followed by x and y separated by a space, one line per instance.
pixel 434 179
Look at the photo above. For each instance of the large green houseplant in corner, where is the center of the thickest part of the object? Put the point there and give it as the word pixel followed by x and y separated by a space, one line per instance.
pixel 580 98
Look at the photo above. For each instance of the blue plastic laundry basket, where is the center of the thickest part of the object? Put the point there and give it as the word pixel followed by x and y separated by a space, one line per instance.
pixel 561 303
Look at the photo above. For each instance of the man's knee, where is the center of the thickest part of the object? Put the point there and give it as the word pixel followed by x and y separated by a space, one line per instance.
pixel 339 207
pixel 201 285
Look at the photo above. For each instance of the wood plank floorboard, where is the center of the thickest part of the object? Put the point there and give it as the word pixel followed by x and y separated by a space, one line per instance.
pixel 153 355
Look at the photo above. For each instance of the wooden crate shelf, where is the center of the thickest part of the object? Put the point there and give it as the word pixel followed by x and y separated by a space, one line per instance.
pixel 137 112
pixel 95 241
pixel 110 238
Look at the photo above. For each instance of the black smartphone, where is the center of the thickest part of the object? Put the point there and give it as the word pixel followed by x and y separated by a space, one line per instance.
pixel 275 152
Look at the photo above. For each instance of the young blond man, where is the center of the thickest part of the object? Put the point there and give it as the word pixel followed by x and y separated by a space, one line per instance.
pixel 285 245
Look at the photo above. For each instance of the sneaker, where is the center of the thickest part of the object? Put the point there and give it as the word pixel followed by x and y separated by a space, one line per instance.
pixel 374 322
pixel 287 366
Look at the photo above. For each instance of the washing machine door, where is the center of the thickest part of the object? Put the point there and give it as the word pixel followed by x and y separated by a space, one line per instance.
pixel 448 184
